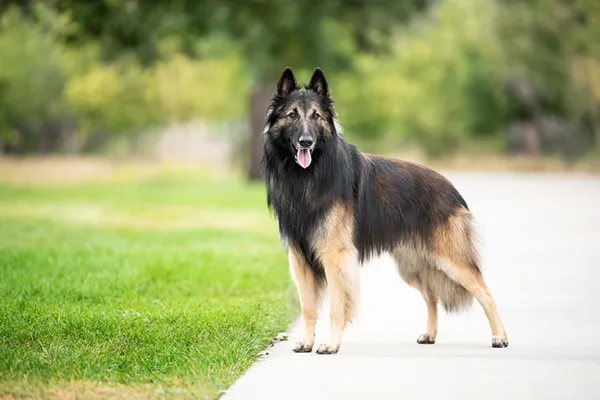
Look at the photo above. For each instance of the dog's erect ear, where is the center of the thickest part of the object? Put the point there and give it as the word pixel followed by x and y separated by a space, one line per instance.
pixel 287 83
pixel 318 83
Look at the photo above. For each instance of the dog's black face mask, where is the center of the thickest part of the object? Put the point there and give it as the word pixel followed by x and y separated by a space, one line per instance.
pixel 301 119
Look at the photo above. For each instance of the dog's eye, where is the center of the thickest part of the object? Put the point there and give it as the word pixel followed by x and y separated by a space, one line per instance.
pixel 293 114
pixel 316 115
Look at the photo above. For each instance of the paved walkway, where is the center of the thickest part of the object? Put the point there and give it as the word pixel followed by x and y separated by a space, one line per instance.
pixel 541 255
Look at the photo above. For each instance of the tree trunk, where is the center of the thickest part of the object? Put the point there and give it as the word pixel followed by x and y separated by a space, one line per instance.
pixel 259 102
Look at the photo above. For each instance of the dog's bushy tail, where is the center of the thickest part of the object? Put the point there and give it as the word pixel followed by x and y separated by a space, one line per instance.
pixel 452 296
pixel 455 249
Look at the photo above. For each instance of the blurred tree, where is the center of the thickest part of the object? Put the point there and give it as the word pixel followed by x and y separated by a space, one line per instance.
pixel 553 54
pixel 32 107
pixel 443 87
pixel 270 33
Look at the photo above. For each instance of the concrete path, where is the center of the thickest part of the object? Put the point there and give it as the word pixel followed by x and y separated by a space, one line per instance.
pixel 541 252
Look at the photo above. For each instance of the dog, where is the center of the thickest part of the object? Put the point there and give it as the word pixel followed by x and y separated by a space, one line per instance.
pixel 337 207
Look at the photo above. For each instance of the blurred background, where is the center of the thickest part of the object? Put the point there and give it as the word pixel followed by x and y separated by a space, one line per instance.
pixel 189 80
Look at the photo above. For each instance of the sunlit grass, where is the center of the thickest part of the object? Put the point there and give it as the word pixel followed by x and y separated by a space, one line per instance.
pixel 169 285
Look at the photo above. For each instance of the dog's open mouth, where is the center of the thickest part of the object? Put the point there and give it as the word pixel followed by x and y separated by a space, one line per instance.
pixel 304 157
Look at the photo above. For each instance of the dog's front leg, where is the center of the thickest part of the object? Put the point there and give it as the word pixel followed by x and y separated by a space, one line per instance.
pixel 308 292
pixel 341 271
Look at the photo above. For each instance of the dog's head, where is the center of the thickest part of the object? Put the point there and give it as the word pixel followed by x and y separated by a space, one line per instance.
pixel 300 120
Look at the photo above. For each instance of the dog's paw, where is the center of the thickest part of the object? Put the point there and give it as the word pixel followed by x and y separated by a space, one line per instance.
pixel 327 349
pixel 426 338
pixel 499 341
pixel 302 347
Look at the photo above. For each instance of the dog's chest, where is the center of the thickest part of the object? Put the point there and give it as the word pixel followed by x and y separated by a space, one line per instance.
pixel 298 217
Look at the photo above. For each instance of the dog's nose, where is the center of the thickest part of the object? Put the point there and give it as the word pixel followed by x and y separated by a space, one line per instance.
pixel 306 141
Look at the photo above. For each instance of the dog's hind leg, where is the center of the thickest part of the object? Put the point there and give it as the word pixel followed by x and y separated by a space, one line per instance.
pixel 309 293
pixel 412 265
pixel 471 279
pixel 456 256
pixel 432 314
pixel 341 271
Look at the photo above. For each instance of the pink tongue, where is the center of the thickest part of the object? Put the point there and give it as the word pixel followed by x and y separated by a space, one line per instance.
pixel 304 158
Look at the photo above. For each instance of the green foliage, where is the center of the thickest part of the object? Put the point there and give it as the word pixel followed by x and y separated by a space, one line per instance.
pixel 443 84
pixel 362 110
pixel 113 99
pixel 125 98
pixel 554 46
pixel 211 89
pixel 270 34
pixel 31 79
pixel 141 294
pixel 44 81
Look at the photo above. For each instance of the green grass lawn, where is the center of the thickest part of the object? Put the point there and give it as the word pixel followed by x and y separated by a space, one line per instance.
pixel 167 286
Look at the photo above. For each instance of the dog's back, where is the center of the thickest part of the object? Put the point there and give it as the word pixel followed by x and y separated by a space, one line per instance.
pixel 418 216
pixel 398 202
